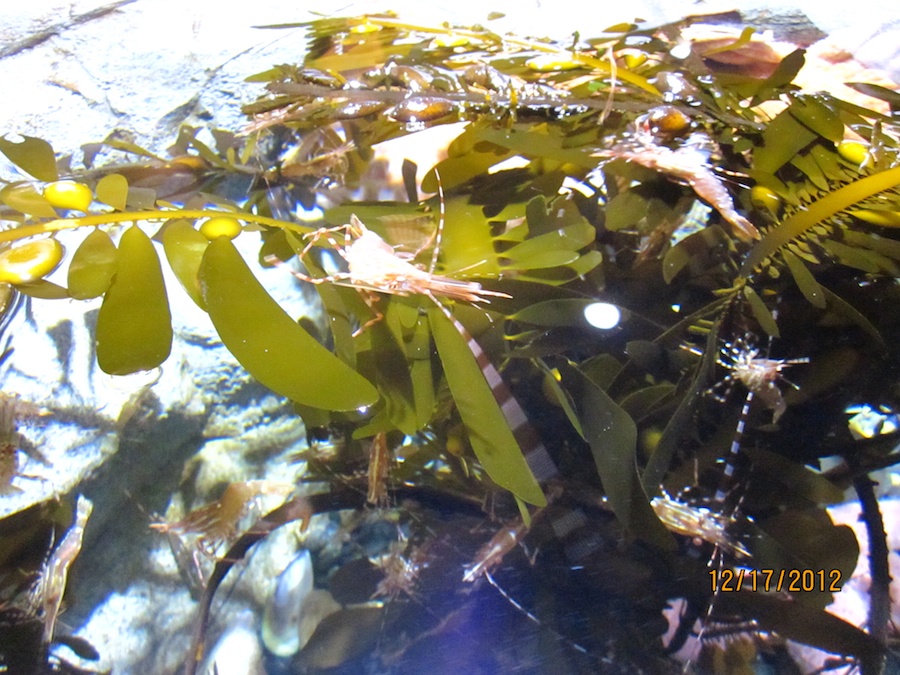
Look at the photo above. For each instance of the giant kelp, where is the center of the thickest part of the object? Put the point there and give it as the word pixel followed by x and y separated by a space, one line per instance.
pixel 622 143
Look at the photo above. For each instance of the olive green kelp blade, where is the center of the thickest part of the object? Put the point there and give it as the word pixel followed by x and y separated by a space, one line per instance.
pixel 268 343
pixel 93 266
pixel 489 432
pixel 134 326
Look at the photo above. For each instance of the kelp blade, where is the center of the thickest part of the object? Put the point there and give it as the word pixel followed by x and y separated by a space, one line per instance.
pixel 184 247
pixel 113 190
pixel 134 326
pixel 33 155
pixel 612 435
pixel 268 343
pixel 93 266
pixel 489 432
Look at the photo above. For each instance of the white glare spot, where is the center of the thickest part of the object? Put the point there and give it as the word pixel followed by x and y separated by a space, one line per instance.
pixel 363 409
pixel 676 308
pixel 602 315
pixel 681 51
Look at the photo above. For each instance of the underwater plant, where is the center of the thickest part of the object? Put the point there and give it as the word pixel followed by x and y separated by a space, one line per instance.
pixel 720 214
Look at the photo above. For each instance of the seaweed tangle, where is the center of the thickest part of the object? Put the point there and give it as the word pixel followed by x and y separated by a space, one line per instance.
pixel 707 208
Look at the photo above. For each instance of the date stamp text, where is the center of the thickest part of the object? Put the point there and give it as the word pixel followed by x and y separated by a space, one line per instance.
pixel 771 580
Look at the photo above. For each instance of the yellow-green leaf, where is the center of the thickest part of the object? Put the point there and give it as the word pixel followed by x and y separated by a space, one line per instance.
pixel 33 155
pixel 806 282
pixel 612 435
pixel 269 343
pixel 113 190
pixel 799 479
pixel 418 352
pixel 134 326
pixel 882 217
pixel 561 312
pixel 625 210
pixel 489 432
pixel 644 401
pixel 388 362
pixel 860 258
pixel 837 304
pixel 675 260
pixel 467 243
pixel 543 260
pixel 818 117
pixel 533 143
pixel 184 247
pixel 558 247
pixel 43 289
pixel 783 138
pixel 555 393
pixel 24 198
pixel 762 314
pixel 92 267
pixel 884 245
pixel 340 303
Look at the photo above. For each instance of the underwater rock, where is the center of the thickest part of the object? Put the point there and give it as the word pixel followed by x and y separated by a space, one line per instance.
pixel 238 651
pixel 281 621
pixel 295 609
pixel 342 636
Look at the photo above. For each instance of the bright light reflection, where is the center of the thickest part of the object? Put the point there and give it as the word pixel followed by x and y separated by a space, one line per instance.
pixel 869 421
pixel 602 315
